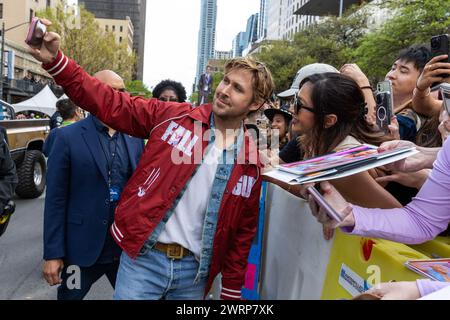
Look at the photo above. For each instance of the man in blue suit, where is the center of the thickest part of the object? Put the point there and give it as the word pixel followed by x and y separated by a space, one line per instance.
pixel 88 167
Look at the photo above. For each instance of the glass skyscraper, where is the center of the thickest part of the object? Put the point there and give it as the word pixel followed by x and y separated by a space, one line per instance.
pixel 206 35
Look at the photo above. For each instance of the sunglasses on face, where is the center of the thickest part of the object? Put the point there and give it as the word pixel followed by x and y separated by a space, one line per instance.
pixel 298 105
pixel 171 99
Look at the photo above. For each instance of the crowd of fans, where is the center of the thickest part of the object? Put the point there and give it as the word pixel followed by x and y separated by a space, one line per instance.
pixel 327 109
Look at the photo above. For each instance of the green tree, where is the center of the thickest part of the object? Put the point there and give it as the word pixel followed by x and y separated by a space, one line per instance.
pixel 414 22
pixel 332 41
pixel 91 47
pixel 138 88
pixel 283 61
pixel 217 77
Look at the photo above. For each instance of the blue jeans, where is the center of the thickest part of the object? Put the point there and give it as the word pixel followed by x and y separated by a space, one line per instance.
pixel 154 276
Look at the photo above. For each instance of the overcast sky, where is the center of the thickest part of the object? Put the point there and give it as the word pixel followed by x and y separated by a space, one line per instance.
pixel 172 33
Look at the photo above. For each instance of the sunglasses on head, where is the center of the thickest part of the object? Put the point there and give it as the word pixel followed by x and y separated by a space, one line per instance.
pixel 298 105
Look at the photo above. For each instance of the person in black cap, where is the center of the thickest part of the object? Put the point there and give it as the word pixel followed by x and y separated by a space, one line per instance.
pixel 279 118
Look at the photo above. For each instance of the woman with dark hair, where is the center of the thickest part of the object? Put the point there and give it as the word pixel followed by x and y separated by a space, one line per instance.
pixel 331 110
pixel 169 90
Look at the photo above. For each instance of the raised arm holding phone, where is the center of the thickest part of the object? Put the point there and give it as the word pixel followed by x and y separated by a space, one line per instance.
pixel 162 221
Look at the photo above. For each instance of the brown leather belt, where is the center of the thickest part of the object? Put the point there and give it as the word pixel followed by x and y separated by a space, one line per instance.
pixel 173 250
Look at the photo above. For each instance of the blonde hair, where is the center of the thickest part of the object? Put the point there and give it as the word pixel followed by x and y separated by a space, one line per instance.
pixel 263 85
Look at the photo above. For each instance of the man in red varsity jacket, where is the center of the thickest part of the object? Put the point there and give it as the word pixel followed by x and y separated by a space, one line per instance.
pixel 190 209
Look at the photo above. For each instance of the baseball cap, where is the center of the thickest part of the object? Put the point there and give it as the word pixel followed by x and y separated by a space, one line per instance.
pixel 305 72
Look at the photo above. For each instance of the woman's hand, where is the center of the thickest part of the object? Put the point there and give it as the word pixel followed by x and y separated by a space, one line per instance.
pixel 334 198
pixel 404 290
pixel 410 164
pixel 394 129
pixel 353 71
pixel 410 179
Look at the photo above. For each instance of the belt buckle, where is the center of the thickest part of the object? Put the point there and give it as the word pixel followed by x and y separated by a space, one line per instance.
pixel 175 251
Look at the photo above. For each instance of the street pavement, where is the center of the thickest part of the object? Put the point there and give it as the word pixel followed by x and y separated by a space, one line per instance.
pixel 21 248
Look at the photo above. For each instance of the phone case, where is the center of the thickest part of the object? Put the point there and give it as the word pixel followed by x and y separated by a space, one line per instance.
pixel 385 104
pixel 324 204
pixel 440 45
pixel 33 39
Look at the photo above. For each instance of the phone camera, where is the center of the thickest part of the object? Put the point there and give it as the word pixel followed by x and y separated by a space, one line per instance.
pixel 381 113
pixel 435 43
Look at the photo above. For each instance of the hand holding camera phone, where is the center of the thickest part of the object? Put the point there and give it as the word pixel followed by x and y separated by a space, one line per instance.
pixel 440 45
pixel 332 214
pixel 42 50
pixel 36 33
pixel 385 105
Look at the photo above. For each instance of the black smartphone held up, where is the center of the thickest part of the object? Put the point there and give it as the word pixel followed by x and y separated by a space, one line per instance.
pixel 333 214
pixel 441 45
pixel 36 33
pixel 385 104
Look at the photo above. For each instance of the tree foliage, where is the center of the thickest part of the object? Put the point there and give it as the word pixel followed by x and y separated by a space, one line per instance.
pixel 414 22
pixel 337 41
pixel 332 41
pixel 84 41
pixel 138 88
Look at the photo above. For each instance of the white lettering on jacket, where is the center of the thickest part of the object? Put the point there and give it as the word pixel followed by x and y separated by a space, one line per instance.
pixel 244 186
pixel 180 138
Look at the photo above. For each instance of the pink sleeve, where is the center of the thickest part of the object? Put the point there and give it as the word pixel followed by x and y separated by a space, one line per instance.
pixel 421 220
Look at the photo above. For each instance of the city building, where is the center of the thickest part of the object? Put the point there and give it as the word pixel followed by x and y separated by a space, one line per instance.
pixel 120 10
pixel 252 29
pixel 123 30
pixel 326 7
pixel 239 43
pixel 263 20
pixel 206 35
pixel 274 21
pixel 252 34
pixel 291 21
pixel 223 55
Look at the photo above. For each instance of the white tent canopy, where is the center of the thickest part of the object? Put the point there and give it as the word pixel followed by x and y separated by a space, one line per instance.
pixel 44 101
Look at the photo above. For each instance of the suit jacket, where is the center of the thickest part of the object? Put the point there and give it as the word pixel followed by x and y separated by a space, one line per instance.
pixel 203 82
pixel 77 202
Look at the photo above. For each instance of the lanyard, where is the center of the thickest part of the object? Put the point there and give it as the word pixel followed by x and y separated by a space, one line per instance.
pixel 108 161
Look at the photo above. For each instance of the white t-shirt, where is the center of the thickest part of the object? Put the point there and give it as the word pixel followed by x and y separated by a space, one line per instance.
pixel 185 226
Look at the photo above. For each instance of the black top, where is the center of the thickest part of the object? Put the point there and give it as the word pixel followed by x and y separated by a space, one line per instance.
pixel 291 152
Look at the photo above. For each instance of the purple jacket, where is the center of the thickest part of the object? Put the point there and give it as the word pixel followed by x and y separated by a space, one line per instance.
pixel 427 215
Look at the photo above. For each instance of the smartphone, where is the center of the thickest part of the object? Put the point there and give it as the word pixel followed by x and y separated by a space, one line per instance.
pixel 36 33
pixel 441 45
pixel 385 105
pixel 333 214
